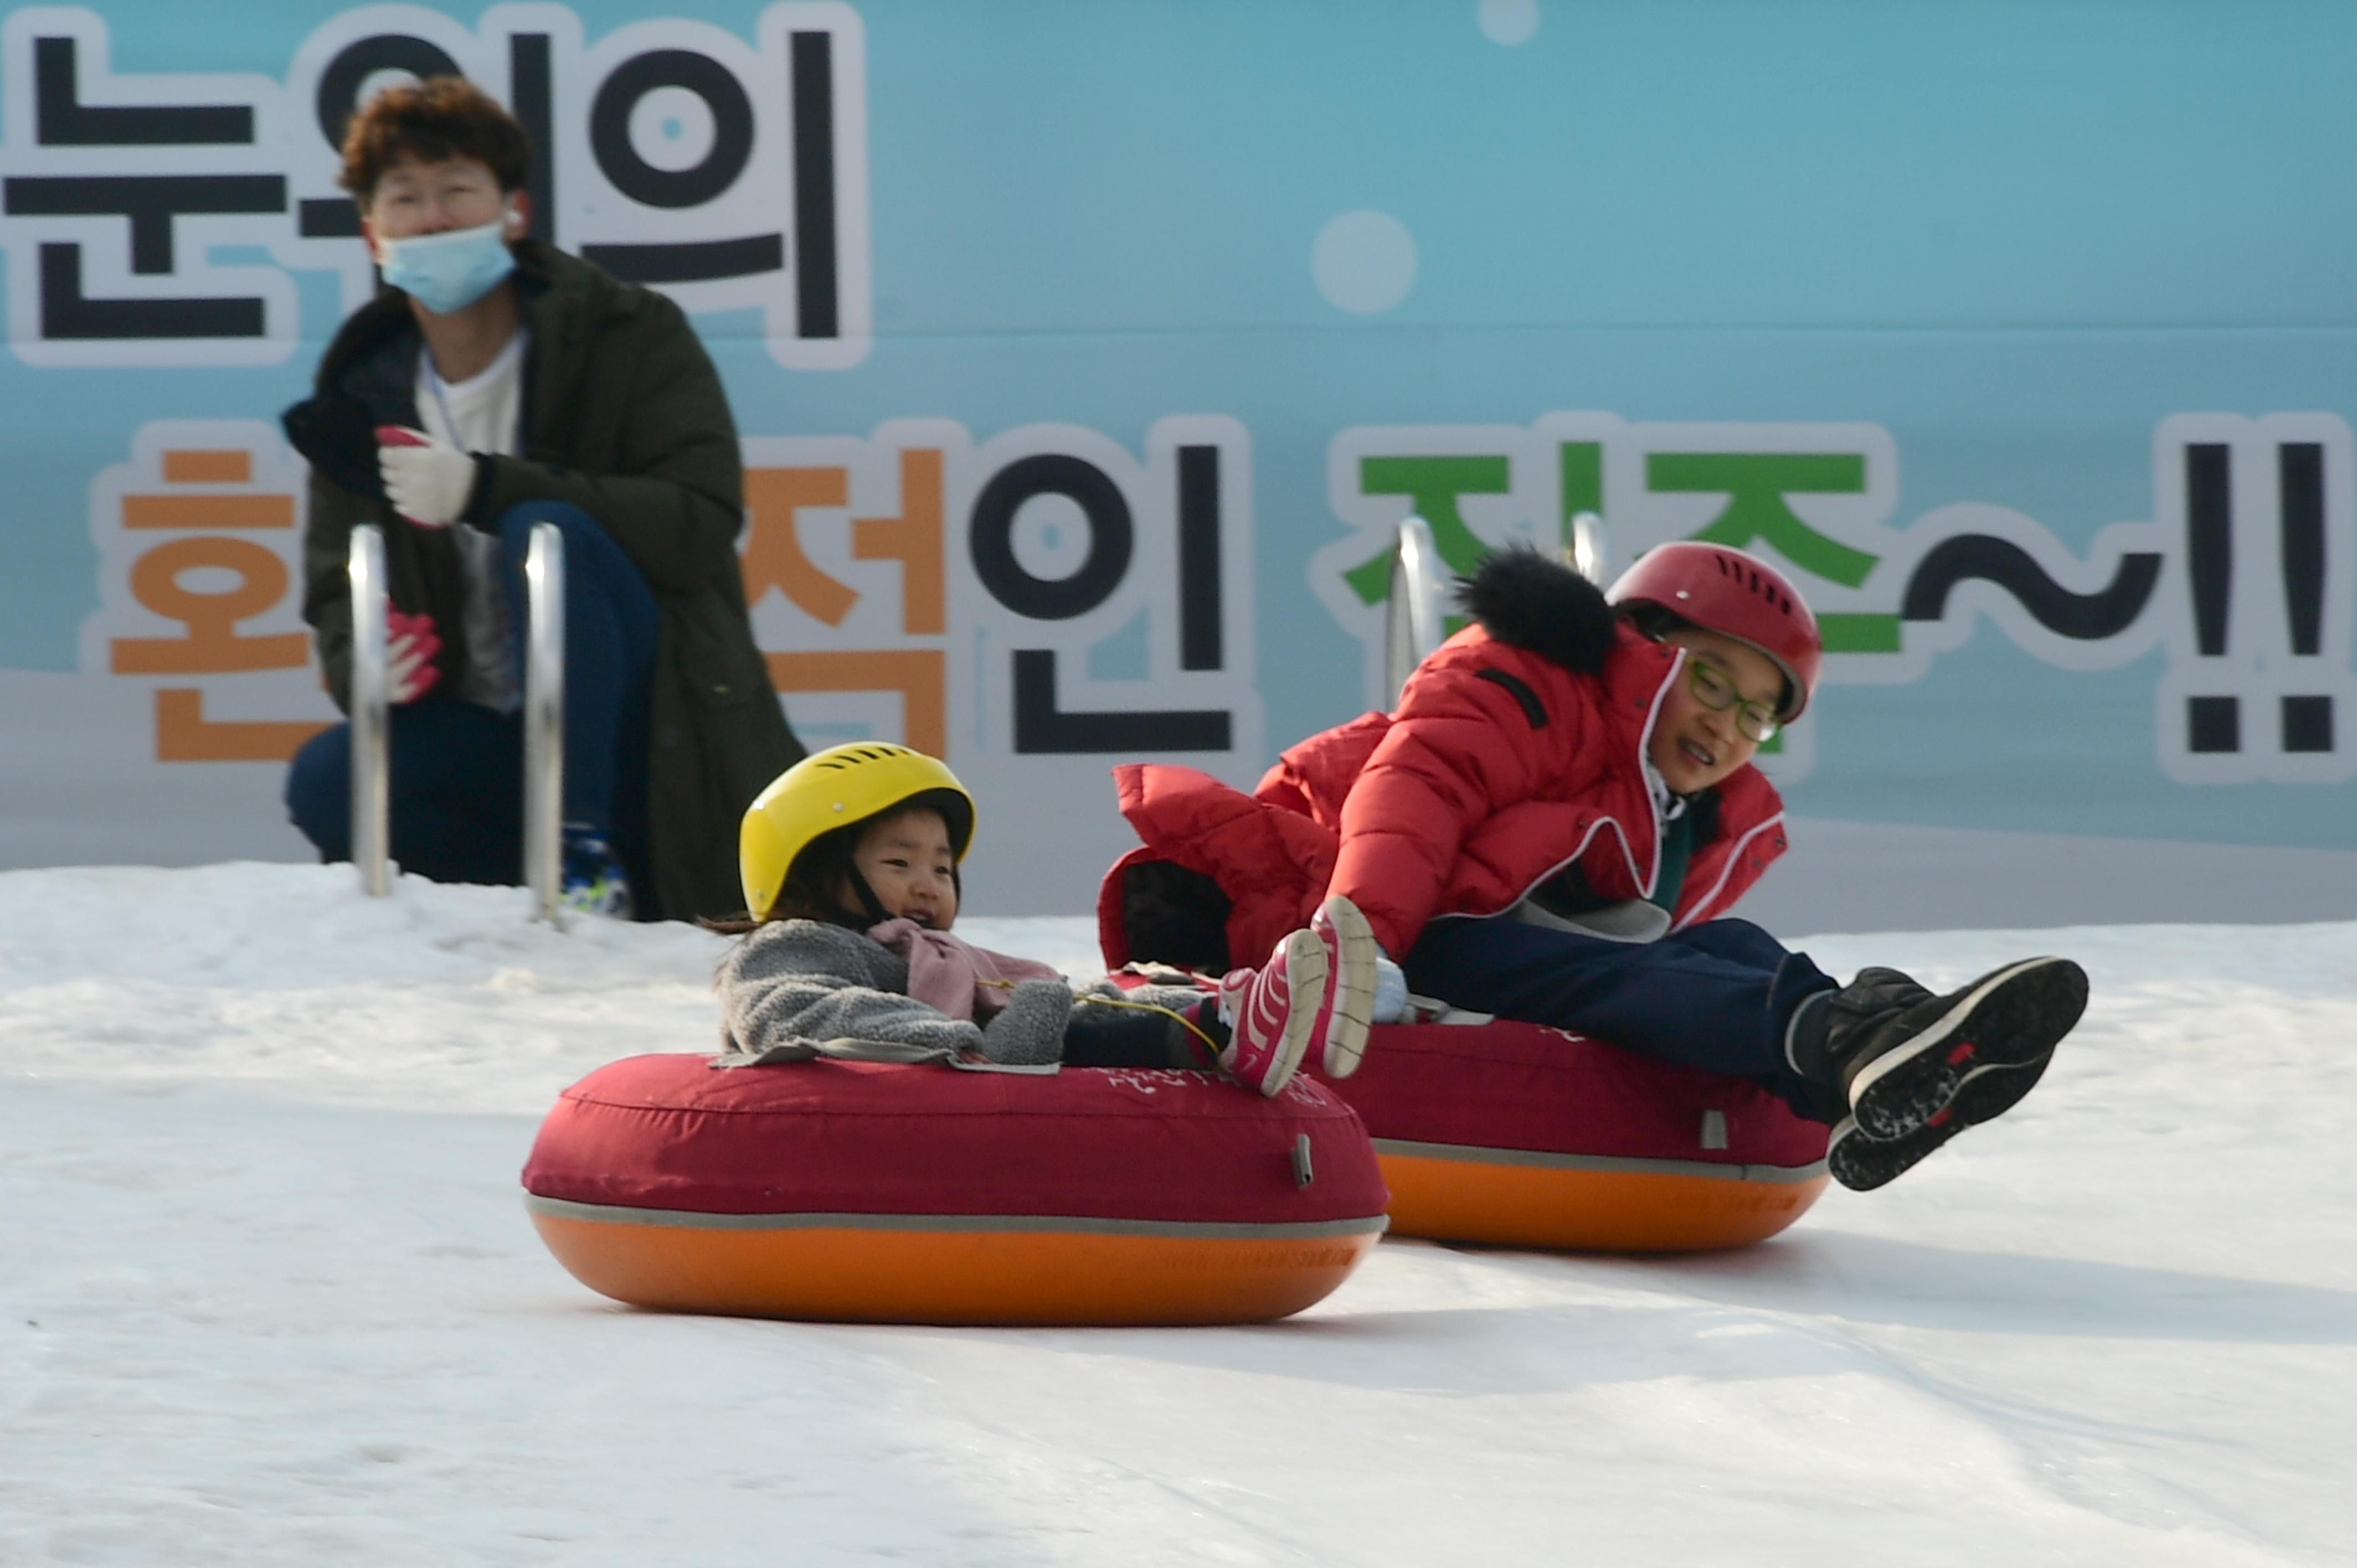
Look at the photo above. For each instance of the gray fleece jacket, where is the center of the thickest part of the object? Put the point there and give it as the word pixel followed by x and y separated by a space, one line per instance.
pixel 794 989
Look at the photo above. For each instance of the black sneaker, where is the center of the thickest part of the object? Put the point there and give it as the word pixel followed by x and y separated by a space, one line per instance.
pixel 1902 1057
pixel 1862 1163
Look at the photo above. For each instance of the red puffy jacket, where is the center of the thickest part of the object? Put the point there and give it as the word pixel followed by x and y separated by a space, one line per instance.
pixel 1517 749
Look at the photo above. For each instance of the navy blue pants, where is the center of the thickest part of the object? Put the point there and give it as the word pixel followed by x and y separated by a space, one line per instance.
pixel 457 786
pixel 1718 996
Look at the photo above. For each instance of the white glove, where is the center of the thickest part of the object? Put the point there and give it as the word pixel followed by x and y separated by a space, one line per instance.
pixel 1391 992
pixel 427 482
pixel 410 644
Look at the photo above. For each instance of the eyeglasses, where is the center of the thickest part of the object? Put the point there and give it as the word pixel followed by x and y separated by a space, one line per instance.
pixel 1715 689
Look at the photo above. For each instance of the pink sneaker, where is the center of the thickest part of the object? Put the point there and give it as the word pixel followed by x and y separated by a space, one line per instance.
pixel 1274 1011
pixel 1349 1006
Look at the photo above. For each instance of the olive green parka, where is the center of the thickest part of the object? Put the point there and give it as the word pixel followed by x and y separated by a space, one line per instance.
pixel 625 418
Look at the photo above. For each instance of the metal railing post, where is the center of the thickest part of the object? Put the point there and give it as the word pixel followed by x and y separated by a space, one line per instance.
pixel 543 720
pixel 371 808
pixel 1415 611
pixel 1591 547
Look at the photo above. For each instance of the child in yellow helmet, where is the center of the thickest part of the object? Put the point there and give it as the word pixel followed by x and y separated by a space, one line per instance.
pixel 850 867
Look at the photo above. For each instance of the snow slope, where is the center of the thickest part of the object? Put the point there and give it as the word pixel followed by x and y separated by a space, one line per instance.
pixel 268 1295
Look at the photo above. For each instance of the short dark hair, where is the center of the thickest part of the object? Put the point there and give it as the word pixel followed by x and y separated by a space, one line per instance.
pixel 813 887
pixel 1655 621
pixel 440 118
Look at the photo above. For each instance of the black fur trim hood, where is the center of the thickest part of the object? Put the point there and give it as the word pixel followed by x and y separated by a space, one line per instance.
pixel 1541 605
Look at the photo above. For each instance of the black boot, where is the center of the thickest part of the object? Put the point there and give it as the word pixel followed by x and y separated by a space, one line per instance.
pixel 1915 1069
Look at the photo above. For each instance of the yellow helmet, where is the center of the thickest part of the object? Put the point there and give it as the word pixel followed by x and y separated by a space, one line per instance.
pixel 833 789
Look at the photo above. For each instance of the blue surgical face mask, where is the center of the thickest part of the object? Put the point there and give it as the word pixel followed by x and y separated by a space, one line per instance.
pixel 450 271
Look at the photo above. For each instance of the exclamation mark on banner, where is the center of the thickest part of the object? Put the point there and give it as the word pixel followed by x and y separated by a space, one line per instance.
pixel 2260 686
pixel 2212 724
pixel 2307 719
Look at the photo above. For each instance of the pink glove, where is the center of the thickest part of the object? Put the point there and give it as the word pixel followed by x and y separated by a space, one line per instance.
pixel 427 482
pixel 410 645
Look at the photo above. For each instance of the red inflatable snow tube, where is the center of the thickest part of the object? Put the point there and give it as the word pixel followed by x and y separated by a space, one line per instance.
pixel 878 1193
pixel 1532 1137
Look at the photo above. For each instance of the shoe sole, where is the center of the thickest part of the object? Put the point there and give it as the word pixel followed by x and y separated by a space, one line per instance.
pixel 1863 1162
pixel 1354 990
pixel 2009 1022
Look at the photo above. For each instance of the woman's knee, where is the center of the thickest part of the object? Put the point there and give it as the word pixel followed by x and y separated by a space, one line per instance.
pixel 319 791
pixel 597 572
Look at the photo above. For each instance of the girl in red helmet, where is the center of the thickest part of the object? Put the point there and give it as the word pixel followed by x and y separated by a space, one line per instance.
pixel 1552 827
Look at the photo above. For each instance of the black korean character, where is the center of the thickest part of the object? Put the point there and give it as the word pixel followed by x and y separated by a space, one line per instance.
pixel 812 65
pixel 1042 726
pixel 150 203
pixel 670 190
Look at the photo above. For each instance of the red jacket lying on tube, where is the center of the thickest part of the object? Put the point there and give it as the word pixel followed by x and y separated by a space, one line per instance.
pixel 1517 748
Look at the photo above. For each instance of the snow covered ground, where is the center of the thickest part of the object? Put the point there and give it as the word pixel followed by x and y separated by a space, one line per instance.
pixel 268 1295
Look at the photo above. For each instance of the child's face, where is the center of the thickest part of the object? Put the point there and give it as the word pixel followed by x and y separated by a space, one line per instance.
pixel 906 859
pixel 1693 744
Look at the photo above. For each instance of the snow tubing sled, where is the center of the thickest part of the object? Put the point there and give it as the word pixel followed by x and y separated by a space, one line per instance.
pixel 890 1193
pixel 1528 1136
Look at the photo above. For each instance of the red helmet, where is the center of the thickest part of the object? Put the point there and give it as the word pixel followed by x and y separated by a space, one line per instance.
pixel 1729 593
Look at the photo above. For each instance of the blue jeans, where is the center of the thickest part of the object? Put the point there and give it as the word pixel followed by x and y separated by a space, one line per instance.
pixel 456 786
pixel 1718 996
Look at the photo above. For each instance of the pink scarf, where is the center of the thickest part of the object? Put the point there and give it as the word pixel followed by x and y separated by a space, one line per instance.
pixel 953 976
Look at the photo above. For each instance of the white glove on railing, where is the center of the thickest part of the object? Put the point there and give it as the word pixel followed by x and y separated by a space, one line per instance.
pixel 427 481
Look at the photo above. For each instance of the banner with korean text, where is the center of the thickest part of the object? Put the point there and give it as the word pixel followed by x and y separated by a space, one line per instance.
pixel 1087 357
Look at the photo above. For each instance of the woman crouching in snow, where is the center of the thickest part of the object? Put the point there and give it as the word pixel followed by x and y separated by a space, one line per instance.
pixel 850 866
pixel 1552 827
